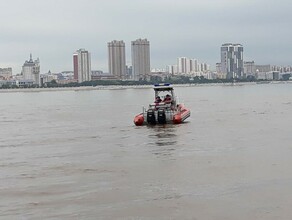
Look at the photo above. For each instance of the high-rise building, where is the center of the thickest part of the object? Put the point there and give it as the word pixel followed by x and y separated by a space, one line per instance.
pixel 82 65
pixel 194 65
pixel 171 69
pixel 129 72
pixel 117 59
pixel 183 65
pixel 232 60
pixel 75 66
pixel 191 66
pixel 218 67
pixel 31 70
pixel 140 58
pixel 205 67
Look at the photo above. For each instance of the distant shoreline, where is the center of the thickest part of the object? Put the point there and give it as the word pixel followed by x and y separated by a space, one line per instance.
pixel 119 87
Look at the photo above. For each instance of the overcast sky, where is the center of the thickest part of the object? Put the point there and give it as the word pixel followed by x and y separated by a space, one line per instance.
pixel 53 29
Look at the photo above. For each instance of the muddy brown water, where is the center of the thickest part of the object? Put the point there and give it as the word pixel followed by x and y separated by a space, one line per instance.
pixel 77 155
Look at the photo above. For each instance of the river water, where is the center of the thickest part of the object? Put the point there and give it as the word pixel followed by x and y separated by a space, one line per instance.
pixel 77 155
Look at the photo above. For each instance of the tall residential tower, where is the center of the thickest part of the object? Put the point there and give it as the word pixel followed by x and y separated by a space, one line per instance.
pixel 232 60
pixel 117 59
pixel 183 65
pixel 82 65
pixel 140 58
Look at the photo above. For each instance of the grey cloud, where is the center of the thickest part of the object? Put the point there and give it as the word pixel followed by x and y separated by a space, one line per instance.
pixel 53 30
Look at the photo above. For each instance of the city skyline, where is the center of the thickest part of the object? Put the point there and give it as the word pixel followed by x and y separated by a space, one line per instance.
pixel 191 65
pixel 194 29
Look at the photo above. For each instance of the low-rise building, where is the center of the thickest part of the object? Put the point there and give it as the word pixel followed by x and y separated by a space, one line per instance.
pixel 18 83
pixel 249 68
pixel 6 73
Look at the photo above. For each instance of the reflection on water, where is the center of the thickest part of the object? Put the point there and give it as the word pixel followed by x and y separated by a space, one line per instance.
pixel 164 135
pixel 163 139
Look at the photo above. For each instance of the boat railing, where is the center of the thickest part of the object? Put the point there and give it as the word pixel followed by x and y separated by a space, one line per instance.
pixel 160 105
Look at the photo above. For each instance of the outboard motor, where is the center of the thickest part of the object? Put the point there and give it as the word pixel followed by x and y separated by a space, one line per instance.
pixel 161 116
pixel 151 117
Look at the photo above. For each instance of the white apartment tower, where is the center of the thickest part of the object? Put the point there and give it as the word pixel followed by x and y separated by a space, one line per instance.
pixel 193 65
pixel 183 65
pixel 172 69
pixel 82 65
pixel 140 58
pixel 232 60
pixel 31 70
pixel 117 59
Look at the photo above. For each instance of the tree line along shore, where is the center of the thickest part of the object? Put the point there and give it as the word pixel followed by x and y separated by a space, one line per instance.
pixel 153 80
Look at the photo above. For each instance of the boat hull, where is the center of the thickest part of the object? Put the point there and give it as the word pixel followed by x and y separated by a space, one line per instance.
pixel 182 115
pixel 170 117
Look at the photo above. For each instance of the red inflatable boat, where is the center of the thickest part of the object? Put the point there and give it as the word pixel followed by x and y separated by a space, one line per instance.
pixel 165 108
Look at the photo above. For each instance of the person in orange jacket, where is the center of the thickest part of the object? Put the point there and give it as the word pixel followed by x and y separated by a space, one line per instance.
pixel 167 99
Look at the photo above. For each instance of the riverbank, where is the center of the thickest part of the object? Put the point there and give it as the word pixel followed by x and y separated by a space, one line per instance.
pixel 118 87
